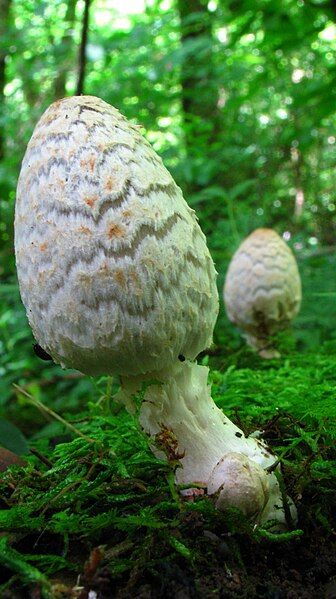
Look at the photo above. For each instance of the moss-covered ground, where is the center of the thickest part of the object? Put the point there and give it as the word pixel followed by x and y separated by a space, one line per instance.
pixel 92 514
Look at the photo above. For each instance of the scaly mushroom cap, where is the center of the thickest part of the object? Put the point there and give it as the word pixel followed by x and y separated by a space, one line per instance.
pixel 262 291
pixel 113 267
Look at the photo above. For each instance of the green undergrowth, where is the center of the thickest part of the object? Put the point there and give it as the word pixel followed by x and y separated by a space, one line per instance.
pixel 92 492
pixel 304 385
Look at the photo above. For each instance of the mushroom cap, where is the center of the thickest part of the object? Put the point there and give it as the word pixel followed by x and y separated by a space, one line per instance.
pixel 113 268
pixel 262 290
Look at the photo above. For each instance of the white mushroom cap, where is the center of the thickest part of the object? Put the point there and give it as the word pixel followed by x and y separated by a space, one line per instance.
pixel 262 291
pixel 113 267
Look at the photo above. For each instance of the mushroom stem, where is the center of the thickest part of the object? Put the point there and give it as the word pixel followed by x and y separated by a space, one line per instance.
pixel 178 413
pixel 264 346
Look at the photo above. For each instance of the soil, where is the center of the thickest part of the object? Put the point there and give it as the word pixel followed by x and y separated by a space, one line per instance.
pixel 301 569
pixel 232 566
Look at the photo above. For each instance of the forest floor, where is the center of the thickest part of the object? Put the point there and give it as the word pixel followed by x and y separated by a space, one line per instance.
pixel 92 514
pixel 99 516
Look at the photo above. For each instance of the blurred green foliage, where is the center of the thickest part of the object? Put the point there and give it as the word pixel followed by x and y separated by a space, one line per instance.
pixel 262 128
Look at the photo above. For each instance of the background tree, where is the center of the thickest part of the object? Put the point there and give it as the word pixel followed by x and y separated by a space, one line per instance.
pixel 82 49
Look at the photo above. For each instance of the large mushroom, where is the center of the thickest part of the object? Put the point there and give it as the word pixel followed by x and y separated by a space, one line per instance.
pixel 262 290
pixel 116 278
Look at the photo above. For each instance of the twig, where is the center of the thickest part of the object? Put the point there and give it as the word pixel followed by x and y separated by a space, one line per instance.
pixel 38 404
pixel 41 457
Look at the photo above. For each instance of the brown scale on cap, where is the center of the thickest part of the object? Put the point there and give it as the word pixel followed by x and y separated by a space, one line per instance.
pixel 115 231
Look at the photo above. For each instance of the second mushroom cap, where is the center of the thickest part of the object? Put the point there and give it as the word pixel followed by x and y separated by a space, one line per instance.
pixel 262 291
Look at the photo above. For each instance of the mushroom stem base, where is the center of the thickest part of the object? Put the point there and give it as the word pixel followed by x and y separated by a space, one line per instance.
pixel 263 346
pixel 185 424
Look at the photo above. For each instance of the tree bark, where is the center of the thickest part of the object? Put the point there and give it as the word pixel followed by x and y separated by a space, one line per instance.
pixel 4 36
pixel 82 49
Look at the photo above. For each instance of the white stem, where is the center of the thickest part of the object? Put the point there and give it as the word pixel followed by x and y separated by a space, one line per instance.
pixel 179 413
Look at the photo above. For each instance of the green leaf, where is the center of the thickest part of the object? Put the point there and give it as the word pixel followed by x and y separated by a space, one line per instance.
pixel 11 438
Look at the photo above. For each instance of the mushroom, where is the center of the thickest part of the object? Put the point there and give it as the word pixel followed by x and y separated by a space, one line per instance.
pixel 262 290
pixel 116 278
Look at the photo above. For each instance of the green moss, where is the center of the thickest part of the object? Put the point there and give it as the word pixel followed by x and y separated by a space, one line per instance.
pixel 104 486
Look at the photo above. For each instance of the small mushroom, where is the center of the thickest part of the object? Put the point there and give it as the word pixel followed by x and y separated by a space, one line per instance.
pixel 116 278
pixel 262 290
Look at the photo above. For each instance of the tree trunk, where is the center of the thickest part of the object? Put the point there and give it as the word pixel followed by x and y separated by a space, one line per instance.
pixel 82 49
